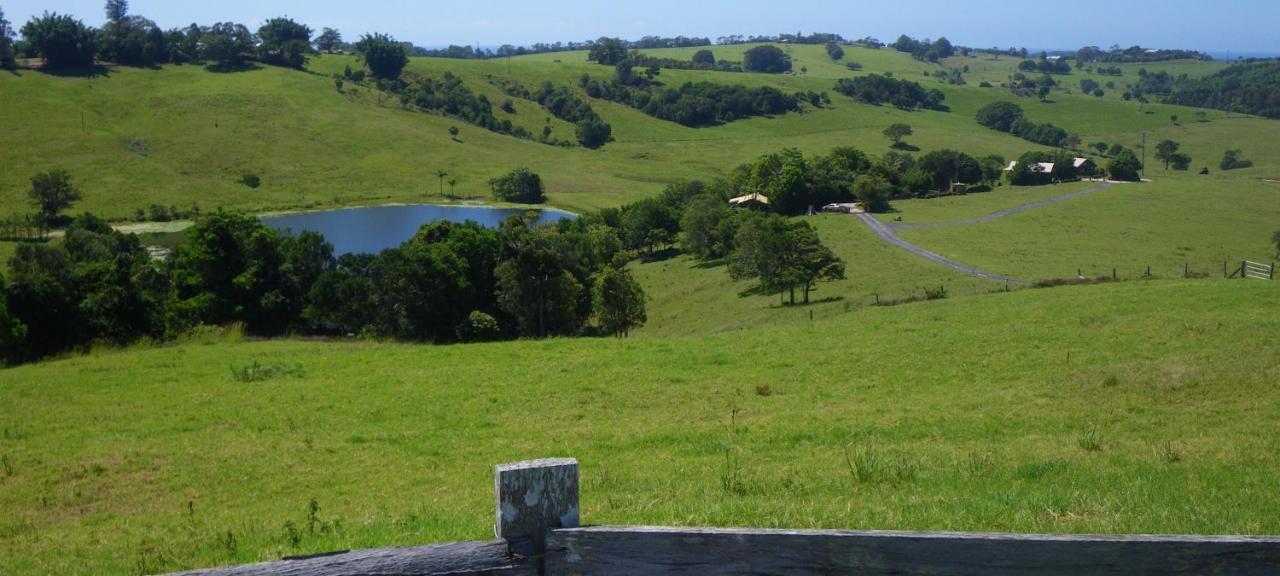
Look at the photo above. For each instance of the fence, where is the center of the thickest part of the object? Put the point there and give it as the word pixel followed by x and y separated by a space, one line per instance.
pixel 537 526
pixel 1258 271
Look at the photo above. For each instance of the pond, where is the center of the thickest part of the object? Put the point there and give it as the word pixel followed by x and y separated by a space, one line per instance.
pixel 376 228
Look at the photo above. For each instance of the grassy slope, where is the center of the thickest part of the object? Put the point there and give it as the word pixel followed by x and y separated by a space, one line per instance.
pixel 974 410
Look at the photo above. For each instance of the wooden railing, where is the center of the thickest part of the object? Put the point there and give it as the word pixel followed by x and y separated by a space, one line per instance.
pixel 537 517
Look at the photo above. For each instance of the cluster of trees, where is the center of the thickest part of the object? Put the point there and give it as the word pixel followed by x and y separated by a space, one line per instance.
pixel 1028 172
pixel 1232 160
pixel 784 38
pixel 66 42
pixel 1046 65
pixel 592 131
pixel 1252 88
pixel 834 51
pixel 1008 117
pixel 692 104
pixel 450 96
pixel 521 186
pixel 927 50
pixel 1023 86
pixel 877 89
pixel 701 60
pixel 451 282
pixel 1117 54
pixel 768 59
pixel 7 53
pixel 1091 86
pixel 1167 152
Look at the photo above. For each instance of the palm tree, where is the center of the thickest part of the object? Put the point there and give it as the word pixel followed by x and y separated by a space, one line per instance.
pixel 452 184
pixel 441 174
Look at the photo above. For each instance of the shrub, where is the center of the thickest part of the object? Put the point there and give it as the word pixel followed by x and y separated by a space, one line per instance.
pixel 521 185
pixel 1125 167
pixel 479 327
pixel 61 40
pixel 1231 160
pixel 251 180
pixel 768 59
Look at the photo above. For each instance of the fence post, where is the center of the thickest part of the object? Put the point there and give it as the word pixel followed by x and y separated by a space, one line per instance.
pixel 1113 274
pixel 533 498
pixel 1244 270
pixel 1186 269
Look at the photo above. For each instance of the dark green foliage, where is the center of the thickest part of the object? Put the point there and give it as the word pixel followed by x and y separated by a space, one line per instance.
pixel 1136 54
pixel 618 301
pixel 1125 166
pixel 251 180
pixel 704 58
pixel 227 44
pixel 593 132
pixel 451 97
pixel 1046 66
pixel 948 166
pixel 873 192
pixel 117 9
pixel 697 105
pixel 835 51
pixel 1165 152
pixel 897 132
pixel 1000 115
pixel 768 59
pixel 133 41
pixel 96 285
pixel 62 41
pixel 923 49
pixel 879 89
pixel 52 192
pixel 783 254
pixel 537 286
pixel 284 43
pixel 7 54
pixel 706 230
pixel 608 51
pixel 648 224
pixel 385 57
pixel 1252 88
pixel 1026 173
pixel 479 327
pixel 521 186
pixel 328 40
pixel 563 103
pixel 1231 160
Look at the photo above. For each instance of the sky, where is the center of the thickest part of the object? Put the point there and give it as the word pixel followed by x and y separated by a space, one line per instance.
pixel 1219 25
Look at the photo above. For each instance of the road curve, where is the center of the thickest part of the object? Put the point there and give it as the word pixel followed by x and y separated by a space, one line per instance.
pixel 889 235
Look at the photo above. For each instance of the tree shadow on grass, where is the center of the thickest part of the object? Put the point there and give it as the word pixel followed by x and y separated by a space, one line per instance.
pixel 660 255
pixel 95 71
pixel 709 264
pixel 905 147
pixel 233 68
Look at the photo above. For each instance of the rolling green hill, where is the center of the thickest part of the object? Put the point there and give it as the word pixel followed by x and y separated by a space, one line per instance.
pixel 1141 407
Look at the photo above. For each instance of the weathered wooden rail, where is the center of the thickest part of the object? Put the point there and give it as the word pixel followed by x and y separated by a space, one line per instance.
pixel 537 516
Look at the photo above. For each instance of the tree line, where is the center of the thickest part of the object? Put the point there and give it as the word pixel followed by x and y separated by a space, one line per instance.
pixel 1251 88
pixel 879 89
pixel 1132 54
pixel 926 50
pixel 691 104
pixel 1008 117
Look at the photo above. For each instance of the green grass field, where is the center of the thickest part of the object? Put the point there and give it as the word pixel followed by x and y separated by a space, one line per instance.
pixel 1138 407
pixel 1142 407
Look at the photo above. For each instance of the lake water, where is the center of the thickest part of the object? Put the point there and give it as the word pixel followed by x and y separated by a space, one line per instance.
pixel 374 229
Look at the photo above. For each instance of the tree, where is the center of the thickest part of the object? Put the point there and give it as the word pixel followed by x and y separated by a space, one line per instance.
pixel 1165 151
pixel 647 224
pixel 133 40
pixel 62 41
pixel 12 331
pixel 1231 160
pixel 608 51
pixel 767 58
pixel 117 9
pixel 535 287
pixel 897 132
pixel 1045 90
pixel 1180 161
pixel 592 132
pixel 453 132
pixel 52 192
pixel 7 56
pixel 328 40
pixel 521 186
pixel 704 227
pixel 872 192
pixel 618 301
pixel 441 175
pixel 284 43
pixel 227 44
pixel 704 58
pixel 1000 115
pixel 834 51
pixel 1125 166
pixel 811 260
pixel 385 57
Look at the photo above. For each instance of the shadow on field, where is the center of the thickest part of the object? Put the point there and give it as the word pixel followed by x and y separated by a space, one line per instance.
pixel 708 264
pixel 233 68
pixel 94 71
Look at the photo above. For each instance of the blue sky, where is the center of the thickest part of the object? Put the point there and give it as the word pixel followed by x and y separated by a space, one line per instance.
pixel 1220 25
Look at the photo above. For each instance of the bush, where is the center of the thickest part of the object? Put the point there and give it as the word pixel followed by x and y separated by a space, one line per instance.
pixel 1000 115
pixel 593 132
pixel 62 41
pixel 877 89
pixel 1231 160
pixel 1125 167
pixel 520 186
pixel 251 180
pixel 768 59
pixel 385 57
pixel 479 327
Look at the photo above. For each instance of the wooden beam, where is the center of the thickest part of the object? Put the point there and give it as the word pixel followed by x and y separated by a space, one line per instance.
pixel 625 551
pixel 533 498
pixel 460 559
